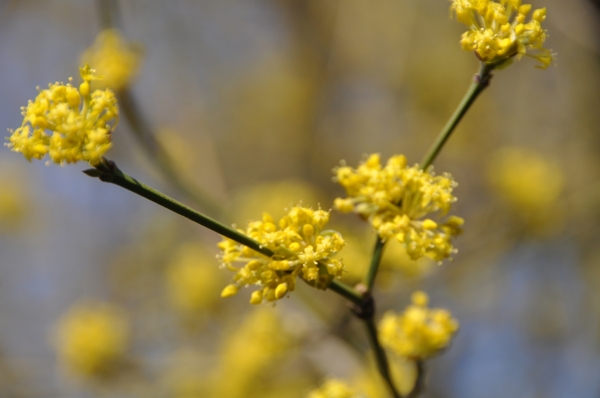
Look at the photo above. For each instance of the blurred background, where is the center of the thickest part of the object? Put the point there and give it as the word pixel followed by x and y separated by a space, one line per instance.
pixel 253 102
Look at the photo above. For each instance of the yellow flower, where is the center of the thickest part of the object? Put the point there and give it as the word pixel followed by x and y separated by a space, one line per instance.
pixel 525 178
pixel 301 246
pixel 531 184
pixel 80 123
pixel 419 332
pixel 334 388
pixel 498 32
pixel 397 198
pixel 114 59
pixel 92 339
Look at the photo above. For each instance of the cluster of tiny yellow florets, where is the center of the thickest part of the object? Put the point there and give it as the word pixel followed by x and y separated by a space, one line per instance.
pixel 396 198
pixel 498 30
pixel 301 248
pixel 116 60
pixel 333 388
pixel 419 332
pixel 80 123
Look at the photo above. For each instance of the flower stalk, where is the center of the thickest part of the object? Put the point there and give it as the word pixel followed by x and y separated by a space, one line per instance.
pixel 375 261
pixel 480 82
pixel 419 386
pixel 348 292
pixel 107 171
pixel 145 136
pixel 380 357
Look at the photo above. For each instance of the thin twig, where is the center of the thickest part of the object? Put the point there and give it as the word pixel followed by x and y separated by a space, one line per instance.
pixel 419 387
pixel 480 82
pixel 380 357
pixel 145 136
pixel 375 261
pixel 108 12
pixel 346 291
pixel 107 171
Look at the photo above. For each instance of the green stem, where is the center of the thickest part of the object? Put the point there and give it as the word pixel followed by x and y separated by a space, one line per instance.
pixel 108 171
pixel 108 12
pixel 143 132
pixel 481 81
pixel 419 386
pixel 346 291
pixel 380 357
pixel 375 261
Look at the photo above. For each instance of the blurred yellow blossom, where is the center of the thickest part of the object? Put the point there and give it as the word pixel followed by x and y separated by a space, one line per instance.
pixel 334 388
pixel 403 373
pixel 525 178
pixel 114 59
pixel 301 248
pixel 396 263
pixel 92 339
pixel 80 122
pixel 419 332
pixel 272 197
pixel 180 151
pixel 259 342
pixel 192 279
pixel 498 32
pixel 15 203
pixel 396 198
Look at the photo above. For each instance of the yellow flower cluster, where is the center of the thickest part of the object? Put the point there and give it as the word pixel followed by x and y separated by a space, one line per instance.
pixel 92 339
pixel 301 248
pixel 117 61
pixel 396 198
pixel 498 30
pixel 80 122
pixel 419 332
pixel 333 388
